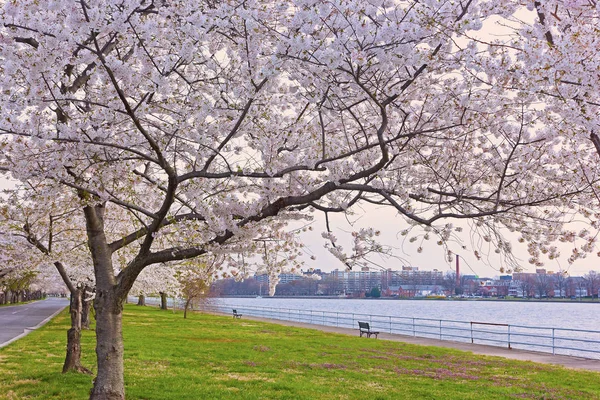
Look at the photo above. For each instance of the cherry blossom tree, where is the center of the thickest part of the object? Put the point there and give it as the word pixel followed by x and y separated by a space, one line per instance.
pixel 156 279
pixel 15 279
pixel 212 124
pixel 195 278
pixel 551 62
pixel 52 234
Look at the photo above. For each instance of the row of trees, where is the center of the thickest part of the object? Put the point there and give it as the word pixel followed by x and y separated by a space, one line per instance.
pixel 559 285
pixel 527 285
pixel 16 288
pixel 140 135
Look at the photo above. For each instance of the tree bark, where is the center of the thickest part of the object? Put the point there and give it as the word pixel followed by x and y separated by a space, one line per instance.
pixel 108 304
pixel 141 300
pixel 86 306
pixel 109 383
pixel 73 357
pixel 163 301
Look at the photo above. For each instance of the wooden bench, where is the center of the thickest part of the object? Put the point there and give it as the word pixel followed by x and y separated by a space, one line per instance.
pixel 236 315
pixel 364 328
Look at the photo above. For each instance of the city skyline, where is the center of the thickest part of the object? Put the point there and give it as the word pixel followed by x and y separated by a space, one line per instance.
pixel 432 256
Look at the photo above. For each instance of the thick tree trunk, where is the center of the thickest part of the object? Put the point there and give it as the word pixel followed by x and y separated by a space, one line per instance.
pixel 85 314
pixel 86 308
pixel 141 300
pixel 163 301
pixel 109 384
pixel 73 357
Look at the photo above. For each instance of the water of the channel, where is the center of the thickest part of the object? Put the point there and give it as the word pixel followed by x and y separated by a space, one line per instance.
pixel 573 315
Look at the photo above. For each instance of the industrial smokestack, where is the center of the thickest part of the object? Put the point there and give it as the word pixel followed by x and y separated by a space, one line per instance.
pixel 457 272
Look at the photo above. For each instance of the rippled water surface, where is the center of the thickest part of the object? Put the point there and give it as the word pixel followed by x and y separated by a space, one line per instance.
pixel 552 314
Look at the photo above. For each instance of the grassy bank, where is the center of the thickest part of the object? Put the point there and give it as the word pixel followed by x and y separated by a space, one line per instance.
pixel 212 357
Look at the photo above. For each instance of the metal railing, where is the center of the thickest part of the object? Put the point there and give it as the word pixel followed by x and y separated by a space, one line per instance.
pixel 563 341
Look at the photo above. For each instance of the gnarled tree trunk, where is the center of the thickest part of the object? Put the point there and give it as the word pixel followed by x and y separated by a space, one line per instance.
pixel 86 308
pixel 141 300
pixel 109 384
pixel 73 357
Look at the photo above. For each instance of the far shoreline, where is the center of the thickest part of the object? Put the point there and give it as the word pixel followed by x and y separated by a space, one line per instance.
pixel 491 299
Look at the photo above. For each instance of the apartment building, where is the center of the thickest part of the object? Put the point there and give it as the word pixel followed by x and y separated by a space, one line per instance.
pixel 352 282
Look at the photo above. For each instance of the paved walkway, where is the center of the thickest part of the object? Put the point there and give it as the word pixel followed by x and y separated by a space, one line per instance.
pixel 17 321
pixel 523 355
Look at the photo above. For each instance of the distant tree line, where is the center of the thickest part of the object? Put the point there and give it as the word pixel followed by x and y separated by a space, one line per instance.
pixel 16 288
pixel 527 285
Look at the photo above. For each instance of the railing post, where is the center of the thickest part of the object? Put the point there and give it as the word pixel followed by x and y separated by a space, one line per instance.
pixel 509 338
pixel 471 331
pixel 440 329
pixel 553 341
pixel 414 332
pixel 390 324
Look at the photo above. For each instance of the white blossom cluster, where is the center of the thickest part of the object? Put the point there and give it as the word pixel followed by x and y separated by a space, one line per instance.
pixel 203 128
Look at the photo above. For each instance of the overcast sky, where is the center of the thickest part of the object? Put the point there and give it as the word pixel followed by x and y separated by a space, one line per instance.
pixel 432 256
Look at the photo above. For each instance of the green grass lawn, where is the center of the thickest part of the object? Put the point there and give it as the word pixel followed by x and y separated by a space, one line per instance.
pixel 214 357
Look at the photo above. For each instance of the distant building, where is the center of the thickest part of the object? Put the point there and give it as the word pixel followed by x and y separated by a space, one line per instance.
pixel 357 281
pixel 283 278
pixel 389 281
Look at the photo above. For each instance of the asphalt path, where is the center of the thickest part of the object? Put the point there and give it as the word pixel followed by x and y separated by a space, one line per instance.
pixel 18 321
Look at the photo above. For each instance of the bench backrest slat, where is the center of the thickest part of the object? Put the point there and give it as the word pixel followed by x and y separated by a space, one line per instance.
pixel 363 325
